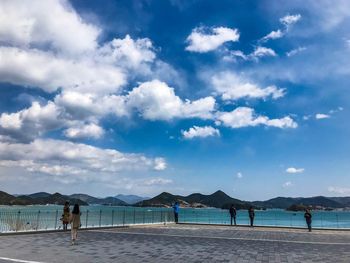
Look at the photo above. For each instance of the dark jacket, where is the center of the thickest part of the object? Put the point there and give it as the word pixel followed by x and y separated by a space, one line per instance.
pixel 308 216
pixel 251 213
pixel 233 211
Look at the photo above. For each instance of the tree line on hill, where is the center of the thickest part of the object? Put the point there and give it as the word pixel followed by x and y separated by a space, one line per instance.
pixel 218 200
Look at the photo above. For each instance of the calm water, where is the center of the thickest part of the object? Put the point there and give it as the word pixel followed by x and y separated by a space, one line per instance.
pixel 23 218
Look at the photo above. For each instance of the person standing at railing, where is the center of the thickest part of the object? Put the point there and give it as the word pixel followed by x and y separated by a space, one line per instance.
pixel 308 218
pixel 233 214
pixel 176 208
pixel 251 215
pixel 65 215
pixel 75 222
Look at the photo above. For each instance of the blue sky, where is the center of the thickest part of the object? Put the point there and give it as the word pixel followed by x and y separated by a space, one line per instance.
pixel 140 97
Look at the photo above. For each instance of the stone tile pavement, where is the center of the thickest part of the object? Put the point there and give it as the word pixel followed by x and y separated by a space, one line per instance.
pixel 179 243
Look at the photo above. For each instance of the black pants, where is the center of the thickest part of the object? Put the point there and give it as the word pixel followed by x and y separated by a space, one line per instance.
pixel 251 221
pixel 308 222
pixel 233 218
pixel 176 215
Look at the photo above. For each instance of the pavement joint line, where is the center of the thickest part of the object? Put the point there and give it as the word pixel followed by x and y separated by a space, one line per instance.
pixel 225 238
pixel 19 260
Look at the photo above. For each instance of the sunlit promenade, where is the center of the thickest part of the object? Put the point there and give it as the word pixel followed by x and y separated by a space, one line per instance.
pixel 179 243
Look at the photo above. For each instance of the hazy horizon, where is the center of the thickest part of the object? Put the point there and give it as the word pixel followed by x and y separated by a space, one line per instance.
pixel 141 97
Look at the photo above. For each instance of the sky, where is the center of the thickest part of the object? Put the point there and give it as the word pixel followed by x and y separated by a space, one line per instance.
pixel 140 97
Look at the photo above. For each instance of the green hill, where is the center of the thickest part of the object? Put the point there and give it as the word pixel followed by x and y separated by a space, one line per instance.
pixel 218 199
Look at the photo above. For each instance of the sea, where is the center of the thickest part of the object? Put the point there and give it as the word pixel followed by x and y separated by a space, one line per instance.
pixel 39 217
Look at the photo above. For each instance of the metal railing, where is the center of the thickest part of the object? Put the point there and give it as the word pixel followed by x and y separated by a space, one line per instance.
pixel 24 220
pixel 273 218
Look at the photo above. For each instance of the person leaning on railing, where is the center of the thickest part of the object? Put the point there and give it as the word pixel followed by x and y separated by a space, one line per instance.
pixel 308 218
pixel 65 215
pixel 176 208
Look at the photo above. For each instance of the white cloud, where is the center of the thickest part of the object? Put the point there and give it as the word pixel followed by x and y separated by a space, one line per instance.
pixel 244 117
pixel 35 68
pixel 31 122
pixel 56 157
pixel 158 181
pixel 159 164
pixel 289 20
pixel 293 170
pixel 155 100
pixel 35 23
pixel 239 175
pixel 90 130
pixel 273 35
pixel 320 116
pixel 233 87
pixel 339 190
pixel 293 52
pixel 263 52
pixel 287 184
pixel 128 52
pixel 207 39
pixel 232 55
pixel 201 132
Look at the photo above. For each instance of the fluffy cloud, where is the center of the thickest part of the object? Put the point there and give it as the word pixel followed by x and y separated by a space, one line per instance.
pixel 207 39
pixel 55 157
pixel 35 68
pixel 292 170
pixel 35 23
pixel 289 20
pixel 201 132
pixel 160 164
pixel 31 122
pixel 239 175
pixel 232 87
pixel 263 52
pixel 128 52
pixel 339 190
pixel 244 117
pixel 320 116
pixel 90 130
pixel 155 100
pixel 273 35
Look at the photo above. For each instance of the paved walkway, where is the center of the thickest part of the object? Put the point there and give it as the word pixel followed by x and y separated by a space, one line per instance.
pixel 179 243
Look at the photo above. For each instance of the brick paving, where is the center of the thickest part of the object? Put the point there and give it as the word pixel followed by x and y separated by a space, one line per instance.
pixel 180 243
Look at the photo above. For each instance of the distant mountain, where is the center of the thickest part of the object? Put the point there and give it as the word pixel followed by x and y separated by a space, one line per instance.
pixel 99 201
pixel 321 201
pixel 38 199
pixel 7 199
pixel 218 199
pixel 59 199
pixel 39 195
pixel 278 202
pixel 131 199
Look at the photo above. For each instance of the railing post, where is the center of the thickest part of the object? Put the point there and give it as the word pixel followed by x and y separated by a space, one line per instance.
pixel 124 216
pixel 144 215
pixel 152 216
pixel 17 220
pixel 337 221
pixel 112 217
pixel 134 215
pixel 99 221
pixel 86 220
pixel 37 220
pixel 56 217
pixel 161 215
